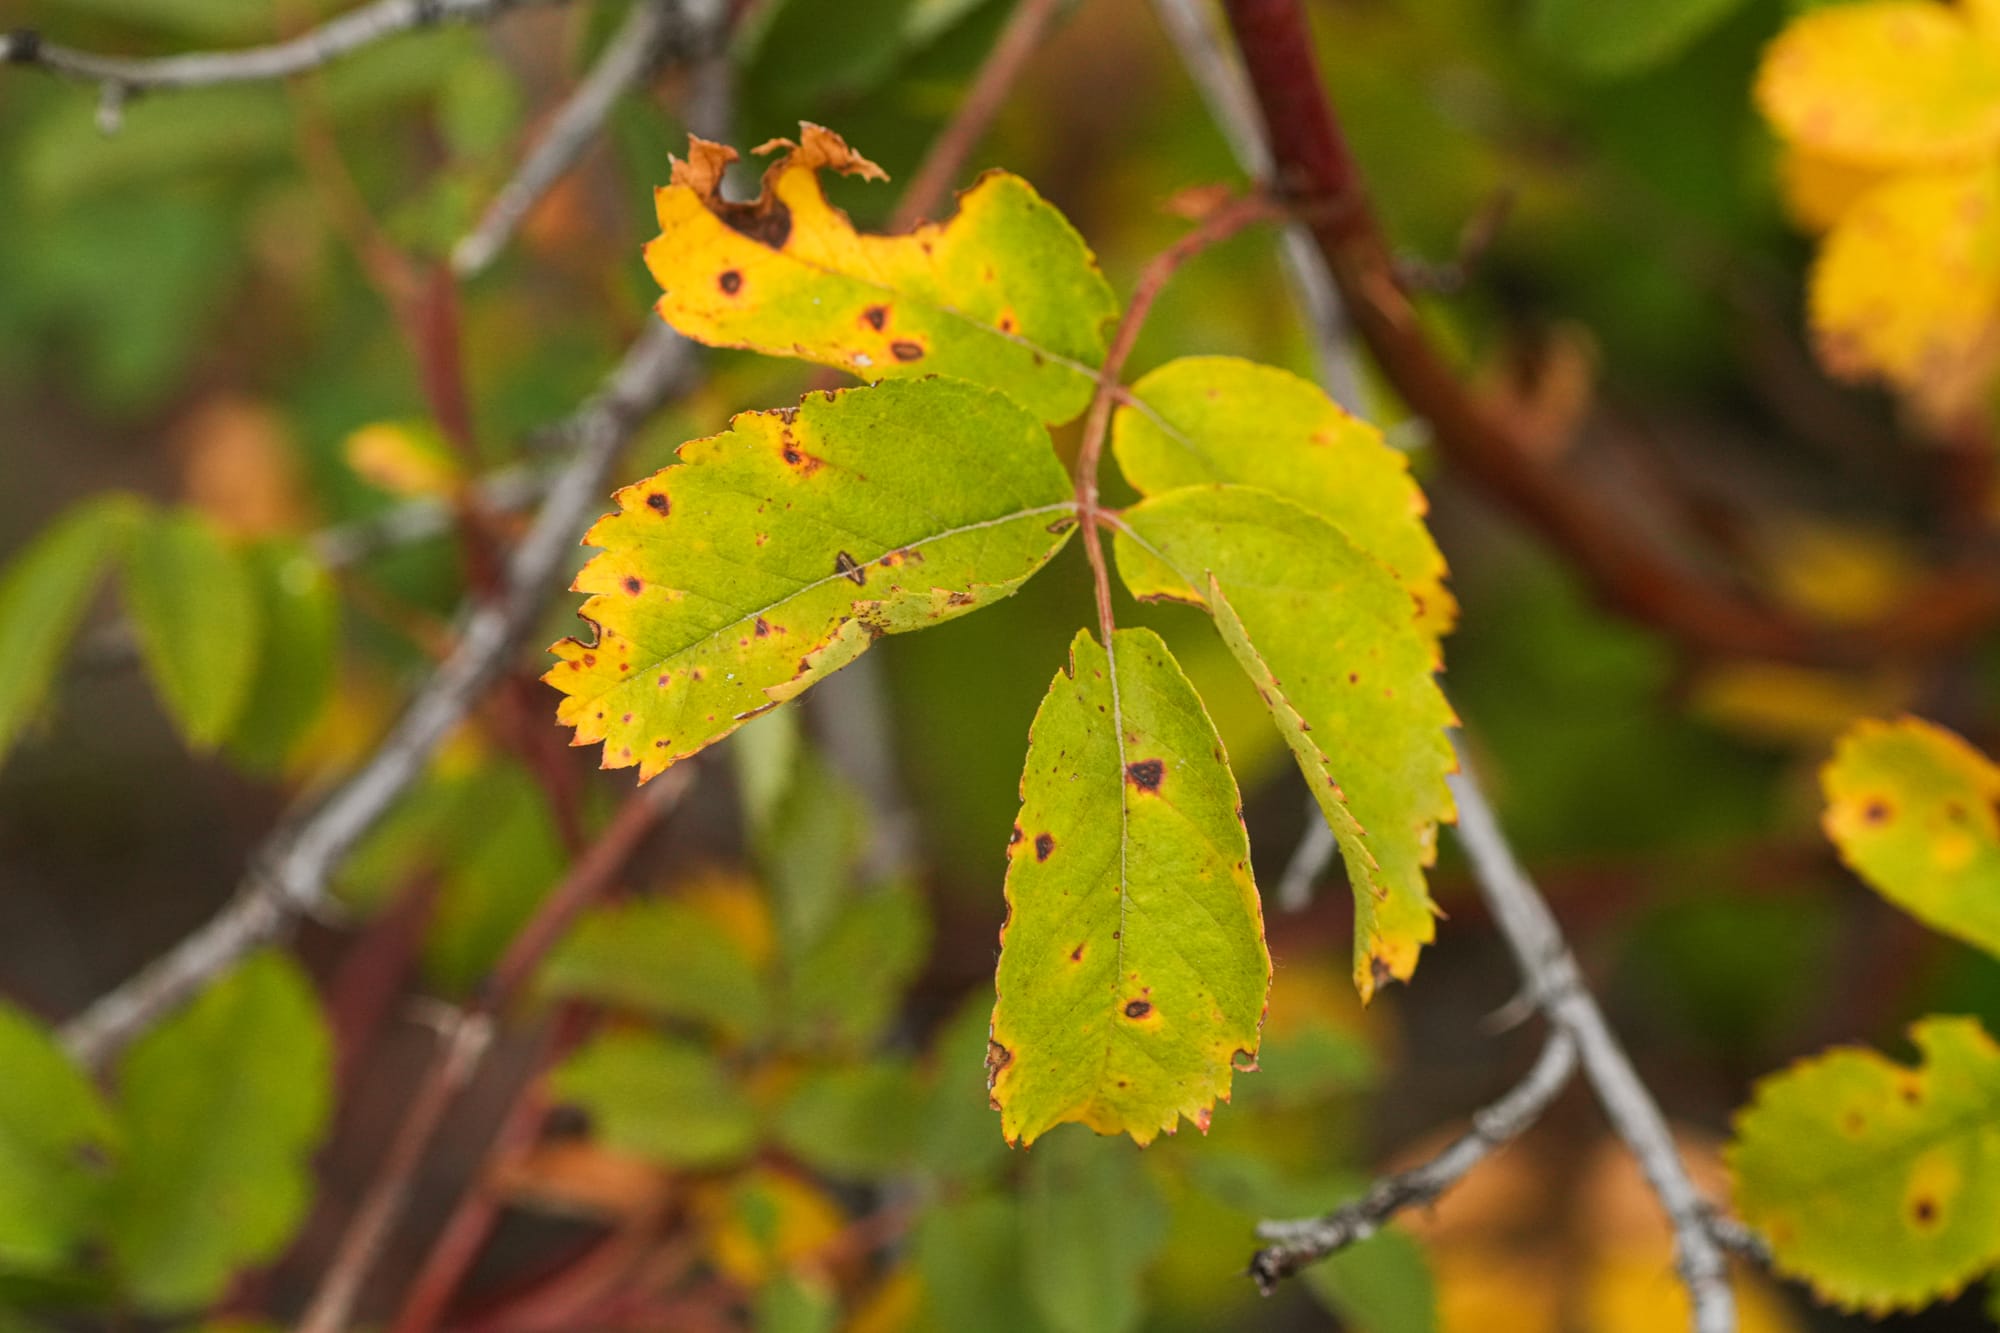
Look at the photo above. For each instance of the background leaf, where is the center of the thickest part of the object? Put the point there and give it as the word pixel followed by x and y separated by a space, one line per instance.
pixel 222 1106
pixel 669 1101
pixel 56 1144
pixel 195 604
pixel 1091 1220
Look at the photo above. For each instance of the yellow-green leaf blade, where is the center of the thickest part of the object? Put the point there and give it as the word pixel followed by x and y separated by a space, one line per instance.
pixel 1133 971
pixel 196 608
pixel 1222 419
pixel 1005 294
pixel 776 552
pixel 1878 1183
pixel 1911 807
pixel 1892 83
pixel 44 595
pixel 1331 642
pixel 662 1098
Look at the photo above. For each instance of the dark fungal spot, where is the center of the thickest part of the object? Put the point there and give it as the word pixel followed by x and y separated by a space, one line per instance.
pixel 766 220
pixel 876 315
pixel 1146 774
pixel 632 584
pixel 843 565
pixel 998 1057
pixel 731 282
pixel 763 628
pixel 1044 844
pixel 1876 811
pixel 904 350
pixel 1924 1212
pixel 1076 954
pixel 1138 1009
pixel 793 456
pixel 658 502
pixel 627 718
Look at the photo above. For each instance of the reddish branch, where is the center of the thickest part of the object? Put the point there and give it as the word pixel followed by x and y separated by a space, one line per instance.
pixel 1315 169
pixel 462 1041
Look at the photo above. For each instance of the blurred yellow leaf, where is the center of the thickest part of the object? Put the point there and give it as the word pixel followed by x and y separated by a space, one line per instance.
pixel 765 1222
pixel 579 1177
pixel 1818 190
pixel 1895 83
pixel 1791 705
pixel 404 458
pixel 1907 287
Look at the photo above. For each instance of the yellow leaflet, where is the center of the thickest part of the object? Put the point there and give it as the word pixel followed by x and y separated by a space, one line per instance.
pixel 1005 294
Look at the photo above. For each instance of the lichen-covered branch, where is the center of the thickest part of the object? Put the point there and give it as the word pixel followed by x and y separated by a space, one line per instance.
pixel 1294 1244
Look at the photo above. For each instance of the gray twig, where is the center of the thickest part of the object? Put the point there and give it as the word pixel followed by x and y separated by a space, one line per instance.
pixel 653 32
pixel 1295 1244
pixel 289 872
pixel 119 77
pixel 1551 973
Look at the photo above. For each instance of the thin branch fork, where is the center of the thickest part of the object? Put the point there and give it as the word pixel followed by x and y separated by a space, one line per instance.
pixel 1295 1244
pixel 341 36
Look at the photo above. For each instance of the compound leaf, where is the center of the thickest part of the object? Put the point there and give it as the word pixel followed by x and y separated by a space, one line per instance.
pixel 1911 807
pixel 1006 294
pixel 1897 83
pixel 1331 642
pixel 222 1106
pixel 1222 419
pixel 195 604
pixel 1878 1183
pixel 52 1125
pixel 1133 971
pixel 776 552
pixel 44 596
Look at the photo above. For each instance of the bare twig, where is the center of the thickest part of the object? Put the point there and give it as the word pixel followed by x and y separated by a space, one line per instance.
pixel 653 32
pixel 1294 1244
pixel 120 77
pixel 288 873
pixel 941 166
pixel 1551 974
pixel 463 1037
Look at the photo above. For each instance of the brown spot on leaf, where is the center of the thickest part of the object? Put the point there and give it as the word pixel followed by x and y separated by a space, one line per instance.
pixel 658 502
pixel 904 350
pixel 1146 774
pixel 766 220
pixel 998 1057
pixel 626 718
pixel 1044 844
pixel 763 628
pixel 1061 525
pixel 632 584
pixel 666 677
pixel 1138 1009
pixel 1201 1119
pixel 1877 811
pixel 959 599
pixel 1380 971
pixel 876 315
pixel 843 565
pixel 1243 1062
pixel 1076 954
pixel 590 659
pixel 1924 1212
pixel 731 282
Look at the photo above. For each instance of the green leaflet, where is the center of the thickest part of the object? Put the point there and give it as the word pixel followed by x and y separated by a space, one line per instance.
pixel 1877 1183
pixel 1911 807
pixel 1006 294
pixel 663 958
pixel 52 1125
pixel 667 1100
pixel 1222 419
pixel 1132 971
pixel 300 612
pixel 222 1105
pixel 195 604
pixel 1092 1219
pixel 1331 642
pixel 43 598
pixel 776 552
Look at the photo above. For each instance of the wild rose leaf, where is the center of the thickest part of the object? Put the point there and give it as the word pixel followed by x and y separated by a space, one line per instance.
pixel 1133 971
pixel 1331 642
pixel 776 552
pixel 1005 294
